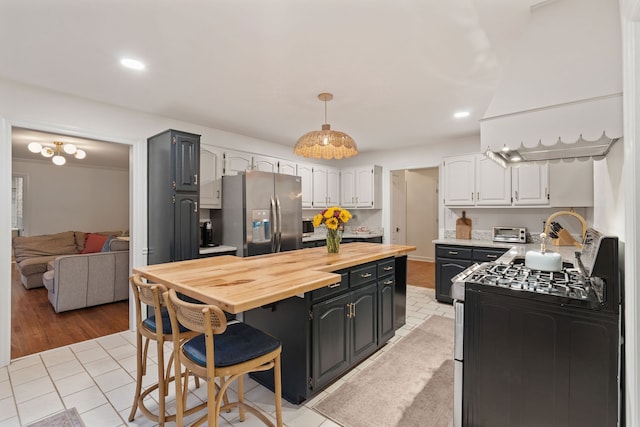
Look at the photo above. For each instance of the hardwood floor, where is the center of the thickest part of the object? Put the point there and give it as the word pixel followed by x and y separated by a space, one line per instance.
pixel 36 327
pixel 421 273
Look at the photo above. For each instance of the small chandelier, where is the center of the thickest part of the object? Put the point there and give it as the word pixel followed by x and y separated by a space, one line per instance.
pixel 326 143
pixel 55 153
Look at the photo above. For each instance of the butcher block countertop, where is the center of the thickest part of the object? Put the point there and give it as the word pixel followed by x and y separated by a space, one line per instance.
pixel 238 284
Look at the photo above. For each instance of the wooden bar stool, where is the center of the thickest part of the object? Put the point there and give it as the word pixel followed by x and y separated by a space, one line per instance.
pixel 223 351
pixel 156 328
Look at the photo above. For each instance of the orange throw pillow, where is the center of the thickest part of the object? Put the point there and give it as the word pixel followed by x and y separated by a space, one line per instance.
pixel 93 243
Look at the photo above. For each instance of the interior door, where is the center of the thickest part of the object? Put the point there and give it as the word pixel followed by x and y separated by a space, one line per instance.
pixel 398 208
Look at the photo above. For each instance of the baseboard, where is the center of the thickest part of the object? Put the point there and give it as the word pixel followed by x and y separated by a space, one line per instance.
pixel 420 258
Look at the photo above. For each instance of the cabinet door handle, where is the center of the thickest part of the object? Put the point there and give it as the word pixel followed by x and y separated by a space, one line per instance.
pixel 472 195
pixel 217 194
pixel 354 309
pixel 195 179
pixel 365 275
pixel 492 256
pixel 478 196
pixel 517 197
pixel 334 285
pixel 453 253
pixel 195 209
pixel 388 282
pixel 388 268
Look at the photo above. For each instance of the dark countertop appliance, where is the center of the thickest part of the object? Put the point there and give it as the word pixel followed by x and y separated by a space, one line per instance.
pixel 206 234
pixel 539 348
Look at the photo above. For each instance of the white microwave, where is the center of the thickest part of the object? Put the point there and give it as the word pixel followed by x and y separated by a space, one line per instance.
pixel 509 234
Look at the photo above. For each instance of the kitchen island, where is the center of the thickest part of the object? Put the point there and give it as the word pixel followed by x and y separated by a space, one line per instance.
pixel 330 311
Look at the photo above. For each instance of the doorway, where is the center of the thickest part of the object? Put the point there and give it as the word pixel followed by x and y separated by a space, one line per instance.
pixel 414 220
pixel 51 199
pixel 414 210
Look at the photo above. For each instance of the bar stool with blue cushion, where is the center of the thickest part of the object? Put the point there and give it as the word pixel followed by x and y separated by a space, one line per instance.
pixel 225 351
pixel 156 327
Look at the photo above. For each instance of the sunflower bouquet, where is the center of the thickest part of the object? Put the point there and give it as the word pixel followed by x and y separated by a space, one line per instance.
pixel 334 219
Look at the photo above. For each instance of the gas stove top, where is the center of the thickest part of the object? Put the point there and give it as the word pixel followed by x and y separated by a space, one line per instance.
pixel 567 283
pixel 594 283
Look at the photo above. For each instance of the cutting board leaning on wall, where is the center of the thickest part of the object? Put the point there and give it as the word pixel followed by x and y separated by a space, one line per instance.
pixel 463 227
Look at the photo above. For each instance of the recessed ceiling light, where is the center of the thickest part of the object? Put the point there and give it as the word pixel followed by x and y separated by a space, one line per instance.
pixel 461 114
pixel 134 64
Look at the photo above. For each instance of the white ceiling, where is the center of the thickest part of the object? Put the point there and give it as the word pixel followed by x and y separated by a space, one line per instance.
pixel 398 69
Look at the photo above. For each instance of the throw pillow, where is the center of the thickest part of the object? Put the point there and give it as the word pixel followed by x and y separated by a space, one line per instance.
pixel 93 243
pixel 105 247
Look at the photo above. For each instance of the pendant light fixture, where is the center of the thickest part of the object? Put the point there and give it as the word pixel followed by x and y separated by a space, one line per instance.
pixel 326 143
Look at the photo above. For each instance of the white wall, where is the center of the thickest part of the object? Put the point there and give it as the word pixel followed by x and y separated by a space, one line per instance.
pixel 61 198
pixel 422 212
pixel 609 192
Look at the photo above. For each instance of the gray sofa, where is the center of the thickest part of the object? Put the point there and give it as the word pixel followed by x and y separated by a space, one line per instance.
pixel 74 280
pixel 85 280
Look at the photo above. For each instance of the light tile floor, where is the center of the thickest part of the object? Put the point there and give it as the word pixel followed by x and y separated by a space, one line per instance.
pixel 97 377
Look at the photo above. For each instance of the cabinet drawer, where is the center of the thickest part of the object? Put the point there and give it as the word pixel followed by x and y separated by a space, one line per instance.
pixel 386 267
pixel 387 281
pixel 484 255
pixel 332 289
pixel 365 274
pixel 453 252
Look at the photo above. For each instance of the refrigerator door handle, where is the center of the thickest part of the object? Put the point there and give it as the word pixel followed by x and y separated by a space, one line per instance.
pixel 274 225
pixel 279 231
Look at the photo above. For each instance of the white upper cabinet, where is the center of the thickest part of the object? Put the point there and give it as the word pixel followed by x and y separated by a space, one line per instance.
pixel 333 186
pixel 265 164
pixel 492 183
pixel 459 180
pixel 326 186
pixel 361 187
pixel 236 162
pixel 305 172
pixel 287 167
pixel 210 177
pixel 475 180
pixel 348 188
pixel 530 184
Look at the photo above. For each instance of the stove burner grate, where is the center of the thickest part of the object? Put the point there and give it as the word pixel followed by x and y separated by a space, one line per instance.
pixel 566 283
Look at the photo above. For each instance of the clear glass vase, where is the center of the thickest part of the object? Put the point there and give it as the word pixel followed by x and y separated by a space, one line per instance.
pixel 333 241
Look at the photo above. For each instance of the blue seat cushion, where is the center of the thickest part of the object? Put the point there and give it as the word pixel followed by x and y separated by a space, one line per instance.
pixel 150 323
pixel 239 343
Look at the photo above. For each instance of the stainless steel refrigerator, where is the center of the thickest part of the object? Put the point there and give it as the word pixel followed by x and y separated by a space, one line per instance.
pixel 261 212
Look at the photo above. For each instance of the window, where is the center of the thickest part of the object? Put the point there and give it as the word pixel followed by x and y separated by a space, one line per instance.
pixel 17 204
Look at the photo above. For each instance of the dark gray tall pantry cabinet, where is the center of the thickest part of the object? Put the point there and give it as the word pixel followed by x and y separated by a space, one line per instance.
pixel 173 195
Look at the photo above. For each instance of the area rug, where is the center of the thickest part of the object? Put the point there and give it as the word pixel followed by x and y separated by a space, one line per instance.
pixel 411 384
pixel 66 418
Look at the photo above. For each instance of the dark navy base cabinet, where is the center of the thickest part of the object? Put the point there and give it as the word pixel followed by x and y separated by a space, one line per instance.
pixel 452 260
pixel 332 329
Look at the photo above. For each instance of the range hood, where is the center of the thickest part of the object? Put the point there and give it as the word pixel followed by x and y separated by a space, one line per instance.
pixel 560 97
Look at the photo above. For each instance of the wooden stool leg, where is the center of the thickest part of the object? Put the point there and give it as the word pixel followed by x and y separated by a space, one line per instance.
pixel 277 390
pixel 161 383
pixel 139 363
